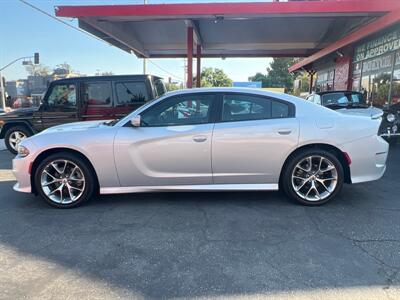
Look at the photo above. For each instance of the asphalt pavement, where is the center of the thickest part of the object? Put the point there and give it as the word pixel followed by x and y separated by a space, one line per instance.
pixel 242 245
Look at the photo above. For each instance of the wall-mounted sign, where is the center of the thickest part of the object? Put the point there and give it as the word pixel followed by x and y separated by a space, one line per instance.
pixel 380 63
pixel 378 46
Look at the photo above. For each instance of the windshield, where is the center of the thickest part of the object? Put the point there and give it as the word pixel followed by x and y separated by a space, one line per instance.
pixel 343 99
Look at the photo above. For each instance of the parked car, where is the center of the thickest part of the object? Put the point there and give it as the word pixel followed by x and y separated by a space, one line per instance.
pixel 80 99
pixel 205 140
pixel 351 102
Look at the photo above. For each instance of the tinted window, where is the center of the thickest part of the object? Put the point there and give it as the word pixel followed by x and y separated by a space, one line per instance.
pixel 160 87
pixel 179 110
pixel 131 92
pixel 246 107
pixel 97 93
pixel 279 110
pixel 317 99
pixel 342 99
pixel 62 95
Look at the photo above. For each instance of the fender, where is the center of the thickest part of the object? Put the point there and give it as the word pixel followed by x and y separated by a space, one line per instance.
pixel 10 123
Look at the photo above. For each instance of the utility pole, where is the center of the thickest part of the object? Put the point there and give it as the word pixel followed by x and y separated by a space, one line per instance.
pixel 144 59
pixel 2 92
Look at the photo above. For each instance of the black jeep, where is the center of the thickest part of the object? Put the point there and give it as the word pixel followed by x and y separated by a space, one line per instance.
pixel 80 99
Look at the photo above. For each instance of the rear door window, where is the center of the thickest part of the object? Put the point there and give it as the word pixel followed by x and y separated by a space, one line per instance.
pixel 97 93
pixel 131 92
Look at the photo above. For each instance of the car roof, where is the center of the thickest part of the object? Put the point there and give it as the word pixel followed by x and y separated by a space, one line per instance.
pixel 107 77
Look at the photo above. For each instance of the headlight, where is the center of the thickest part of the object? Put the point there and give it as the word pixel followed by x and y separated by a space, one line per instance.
pixel 23 151
pixel 390 118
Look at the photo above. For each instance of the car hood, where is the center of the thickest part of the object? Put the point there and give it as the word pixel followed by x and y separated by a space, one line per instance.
pixel 78 126
pixel 367 112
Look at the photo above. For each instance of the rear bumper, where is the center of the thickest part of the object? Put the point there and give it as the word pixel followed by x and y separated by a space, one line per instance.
pixel 368 157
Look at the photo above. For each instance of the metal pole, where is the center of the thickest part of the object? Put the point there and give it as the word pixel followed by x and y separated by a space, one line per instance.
pixel 189 84
pixel 2 91
pixel 198 76
pixel 144 59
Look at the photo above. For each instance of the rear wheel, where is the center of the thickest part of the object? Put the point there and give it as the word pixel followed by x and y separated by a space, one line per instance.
pixel 64 180
pixel 14 136
pixel 313 177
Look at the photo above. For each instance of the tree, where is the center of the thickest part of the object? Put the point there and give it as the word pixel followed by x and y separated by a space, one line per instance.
pixel 277 74
pixel 107 73
pixel 39 69
pixel 211 77
pixel 65 66
pixel 260 77
pixel 173 86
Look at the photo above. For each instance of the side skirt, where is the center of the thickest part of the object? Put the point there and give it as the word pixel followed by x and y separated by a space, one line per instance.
pixel 186 188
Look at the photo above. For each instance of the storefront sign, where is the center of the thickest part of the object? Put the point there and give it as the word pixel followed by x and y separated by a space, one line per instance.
pixel 387 43
pixel 377 64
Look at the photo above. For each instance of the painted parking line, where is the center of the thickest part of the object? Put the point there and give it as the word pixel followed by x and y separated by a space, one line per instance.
pixel 6 175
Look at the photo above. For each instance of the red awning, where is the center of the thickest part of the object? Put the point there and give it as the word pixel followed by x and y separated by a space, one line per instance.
pixel 296 28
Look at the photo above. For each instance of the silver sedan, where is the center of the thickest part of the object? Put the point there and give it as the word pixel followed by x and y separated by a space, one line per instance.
pixel 206 140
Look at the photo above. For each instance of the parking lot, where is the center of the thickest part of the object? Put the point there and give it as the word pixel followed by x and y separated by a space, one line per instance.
pixel 203 245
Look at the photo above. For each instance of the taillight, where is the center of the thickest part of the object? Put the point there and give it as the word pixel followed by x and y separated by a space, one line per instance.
pixel 347 157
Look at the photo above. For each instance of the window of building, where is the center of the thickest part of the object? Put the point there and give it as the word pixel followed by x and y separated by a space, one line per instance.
pixel 131 92
pixel 396 80
pixel 375 80
pixel 97 93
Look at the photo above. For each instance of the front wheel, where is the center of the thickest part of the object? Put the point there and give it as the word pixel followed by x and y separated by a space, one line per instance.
pixel 64 180
pixel 14 136
pixel 313 177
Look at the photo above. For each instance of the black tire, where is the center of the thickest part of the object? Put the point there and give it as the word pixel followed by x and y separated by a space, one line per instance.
pixel 289 168
pixel 89 177
pixel 10 131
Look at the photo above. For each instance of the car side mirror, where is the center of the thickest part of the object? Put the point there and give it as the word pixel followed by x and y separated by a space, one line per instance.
pixel 136 121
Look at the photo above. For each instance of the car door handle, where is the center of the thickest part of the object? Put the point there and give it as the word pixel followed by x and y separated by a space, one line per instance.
pixel 284 131
pixel 199 138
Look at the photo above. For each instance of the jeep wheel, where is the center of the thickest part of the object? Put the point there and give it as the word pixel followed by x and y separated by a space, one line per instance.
pixel 14 136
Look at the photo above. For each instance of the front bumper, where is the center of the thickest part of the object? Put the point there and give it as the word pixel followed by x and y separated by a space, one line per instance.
pixel 21 170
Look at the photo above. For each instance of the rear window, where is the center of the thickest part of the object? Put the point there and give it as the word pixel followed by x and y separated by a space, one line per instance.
pixel 131 92
pixel 160 87
pixel 342 99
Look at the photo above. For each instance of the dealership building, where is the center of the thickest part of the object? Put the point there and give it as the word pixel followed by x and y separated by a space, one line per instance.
pixel 370 66
pixel 344 44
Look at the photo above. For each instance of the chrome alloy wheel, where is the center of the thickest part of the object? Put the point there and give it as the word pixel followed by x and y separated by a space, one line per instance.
pixel 62 181
pixel 15 138
pixel 314 178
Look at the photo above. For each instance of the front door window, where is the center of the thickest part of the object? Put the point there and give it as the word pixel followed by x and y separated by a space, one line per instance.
pixel 62 95
pixel 182 110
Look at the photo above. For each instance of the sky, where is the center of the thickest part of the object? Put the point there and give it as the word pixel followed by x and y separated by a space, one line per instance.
pixel 25 31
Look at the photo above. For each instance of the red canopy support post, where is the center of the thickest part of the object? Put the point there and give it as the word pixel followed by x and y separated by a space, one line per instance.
pixel 311 73
pixel 189 84
pixel 198 75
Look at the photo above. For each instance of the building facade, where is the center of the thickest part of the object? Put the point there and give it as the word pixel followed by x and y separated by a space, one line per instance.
pixel 370 66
